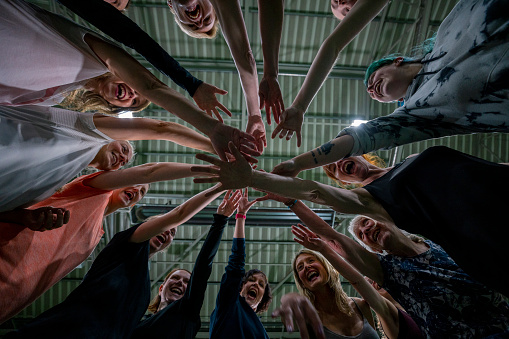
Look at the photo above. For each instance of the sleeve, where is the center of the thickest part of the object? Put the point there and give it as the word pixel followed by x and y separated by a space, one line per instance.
pixel 122 29
pixel 397 129
pixel 234 272
pixel 195 293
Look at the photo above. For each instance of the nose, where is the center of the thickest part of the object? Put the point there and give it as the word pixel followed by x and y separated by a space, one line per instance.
pixel 370 88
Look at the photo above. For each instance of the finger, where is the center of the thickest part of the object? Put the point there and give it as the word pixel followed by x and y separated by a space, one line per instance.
pixel 301 323
pixel 286 318
pixel 276 130
pixel 205 169
pixel 206 181
pixel 224 109
pixel 313 318
pixel 209 158
pixel 283 133
pixel 267 113
pixel 59 220
pixel 217 114
pixel 48 220
pixel 214 191
pixel 276 111
pixel 264 139
pixel 262 99
pixel 234 151
pixel 67 216
pixel 299 139
pixel 289 135
pixel 247 136
pixel 264 198
pixel 249 158
pixel 219 90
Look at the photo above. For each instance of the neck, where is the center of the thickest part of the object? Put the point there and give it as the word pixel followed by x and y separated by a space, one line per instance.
pixel 162 305
pixel 323 298
pixel 409 248
pixel 413 68
pixel 375 173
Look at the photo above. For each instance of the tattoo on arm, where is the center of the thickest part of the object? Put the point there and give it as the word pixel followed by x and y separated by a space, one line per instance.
pixel 325 148
pixel 314 157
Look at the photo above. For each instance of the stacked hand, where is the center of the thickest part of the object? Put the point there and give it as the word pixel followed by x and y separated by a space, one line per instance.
pixel 205 98
pixel 271 98
pixel 223 134
pixel 256 128
pixel 291 122
pixel 287 168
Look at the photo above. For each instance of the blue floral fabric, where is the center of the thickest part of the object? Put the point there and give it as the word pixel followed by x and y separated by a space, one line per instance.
pixel 463 87
pixel 441 298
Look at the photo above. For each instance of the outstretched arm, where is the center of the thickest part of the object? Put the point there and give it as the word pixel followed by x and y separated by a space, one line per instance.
pixel 360 15
pixel 151 129
pixel 386 311
pixel 121 64
pixel 270 16
pixel 234 30
pixel 122 29
pixel 175 217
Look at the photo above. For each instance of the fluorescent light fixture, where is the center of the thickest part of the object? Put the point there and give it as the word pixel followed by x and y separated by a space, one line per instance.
pixel 357 122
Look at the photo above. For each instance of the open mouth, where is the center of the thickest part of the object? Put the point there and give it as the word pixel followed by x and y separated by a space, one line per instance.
pixel 161 238
pixel 115 159
pixel 348 167
pixel 129 194
pixel 121 91
pixel 378 88
pixel 251 294
pixel 177 290
pixel 312 275
pixel 375 235
pixel 193 12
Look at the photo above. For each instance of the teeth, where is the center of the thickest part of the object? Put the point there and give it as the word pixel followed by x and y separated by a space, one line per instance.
pixel 121 92
pixel 176 290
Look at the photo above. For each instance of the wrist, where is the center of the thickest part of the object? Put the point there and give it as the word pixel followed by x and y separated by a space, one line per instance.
pixel 240 215
pixel 290 203
pixel 301 108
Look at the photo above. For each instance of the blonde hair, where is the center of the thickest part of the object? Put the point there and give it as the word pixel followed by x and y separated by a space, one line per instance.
pixel 334 282
pixel 372 158
pixel 154 304
pixel 211 34
pixel 84 100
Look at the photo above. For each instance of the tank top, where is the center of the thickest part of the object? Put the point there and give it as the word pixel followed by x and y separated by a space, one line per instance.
pixel 367 332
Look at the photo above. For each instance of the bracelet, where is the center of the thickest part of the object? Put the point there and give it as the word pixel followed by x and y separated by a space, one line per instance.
pixel 239 215
pixel 292 204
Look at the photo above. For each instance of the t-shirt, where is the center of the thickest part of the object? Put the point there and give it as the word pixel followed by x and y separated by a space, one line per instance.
pixel 42 149
pixel 31 262
pixel 108 303
pixel 43 55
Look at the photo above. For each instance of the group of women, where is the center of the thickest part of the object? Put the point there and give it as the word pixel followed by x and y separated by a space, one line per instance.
pixel 447 284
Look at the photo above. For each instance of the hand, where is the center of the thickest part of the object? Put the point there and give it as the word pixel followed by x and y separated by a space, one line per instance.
pixel 291 122
pixel 307 238
pixel 270 97
pixel 205 98
pixel 230 175
pixel 222 134
pixel 287 168
pixel 256 128
pixel 297 307
pixel 245 204
pixel 44 218
pixel 230 203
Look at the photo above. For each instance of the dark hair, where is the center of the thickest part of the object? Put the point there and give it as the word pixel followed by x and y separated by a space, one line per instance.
pixel 267 294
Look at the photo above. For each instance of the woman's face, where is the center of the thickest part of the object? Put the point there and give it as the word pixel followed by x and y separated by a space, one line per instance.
pixel 118 4
pixel 253 289
pixel 127 196
pixel 175 286
pixel 311 272
pixel 113 155
pixel 373 233
pixel 353 169
pixel 119 94
pixel 162 241
pixel 389 83
pixel 198 15
pixel 340 8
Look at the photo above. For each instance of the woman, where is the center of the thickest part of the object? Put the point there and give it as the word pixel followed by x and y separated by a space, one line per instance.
pixel 176 308
pixel 236 312
pixel 445 98
pixel 43 148
pixel 439 296
pixel 73 54
pixel 125 31
pixel 33 262
pixel 319 281
pixel 356 171
pixel 115 292
pixel 438 194
pixel 200 19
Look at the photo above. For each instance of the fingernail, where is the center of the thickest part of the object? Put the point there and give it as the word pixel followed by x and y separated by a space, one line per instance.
pixel 289 329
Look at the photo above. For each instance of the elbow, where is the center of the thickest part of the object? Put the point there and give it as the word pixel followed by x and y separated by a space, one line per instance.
pixel 247 63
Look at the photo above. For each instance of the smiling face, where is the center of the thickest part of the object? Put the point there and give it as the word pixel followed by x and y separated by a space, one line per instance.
pixel 194 15
pixel 376 235
pixel 340 8
pixel 118 93
pixel 175 286
pixel 127 196
pixel 113 155
pixel 161 241
pixel 389 83
pixel 254 289
pixel 310 271
pixel 118 4
pixel 351 170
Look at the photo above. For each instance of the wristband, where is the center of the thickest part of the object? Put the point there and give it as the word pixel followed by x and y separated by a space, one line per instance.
pixel 292 204
pixel 238 215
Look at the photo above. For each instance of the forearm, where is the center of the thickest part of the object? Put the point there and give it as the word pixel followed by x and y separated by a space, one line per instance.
pixel 270 16
pixel 151 129
pixel 313 221
pixel 327 153
pixel 124 30
pixel 14 216
pixel 239 232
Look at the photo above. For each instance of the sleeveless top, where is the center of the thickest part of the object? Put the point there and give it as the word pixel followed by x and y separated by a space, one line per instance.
pixel 367 332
